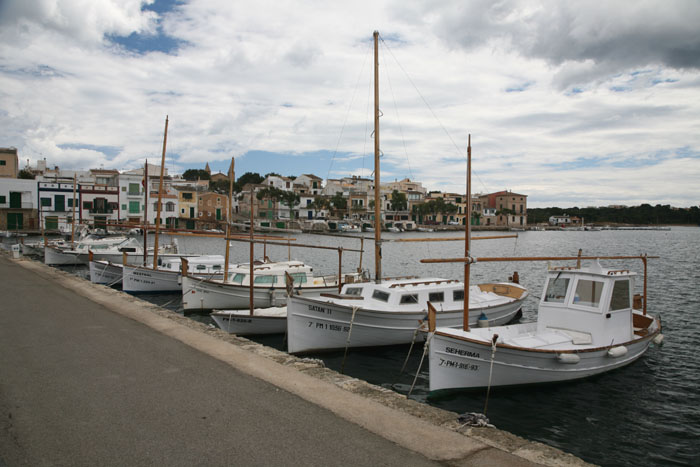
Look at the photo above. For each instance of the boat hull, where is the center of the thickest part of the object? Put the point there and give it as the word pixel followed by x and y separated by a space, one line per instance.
pixel 315 325
pixel 466 364
pixel 205 295
pixel 56 257
pixel 145 280
pixel 241 323
pixel 106 273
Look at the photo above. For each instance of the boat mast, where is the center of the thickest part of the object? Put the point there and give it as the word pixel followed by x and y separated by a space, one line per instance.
pixel 377 204
pixel 228 218
pixel 160 194
pixel 468 234
pixel 145 214
pixel 72 230
pixel 252 251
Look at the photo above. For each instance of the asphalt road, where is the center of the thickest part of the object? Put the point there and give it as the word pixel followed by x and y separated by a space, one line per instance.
pixel 81 385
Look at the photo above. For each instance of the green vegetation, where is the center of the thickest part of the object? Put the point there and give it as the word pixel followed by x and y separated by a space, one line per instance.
pixel 196 174
pixel 645 214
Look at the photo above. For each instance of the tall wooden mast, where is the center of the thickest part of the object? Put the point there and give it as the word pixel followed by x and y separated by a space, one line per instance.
pixel 145 213
pixel 377 180
pixel 467 237
pixel 228 218
pixel 160 195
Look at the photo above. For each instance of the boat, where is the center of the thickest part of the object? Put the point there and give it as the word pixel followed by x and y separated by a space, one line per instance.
pixel 587 324
pixel 105 272
pixel 78 252
pixel 262 321
pixel 389 311
pixel 269 286
pixel 166 277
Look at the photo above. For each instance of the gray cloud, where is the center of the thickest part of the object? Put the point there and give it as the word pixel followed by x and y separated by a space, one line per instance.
pixel 584 40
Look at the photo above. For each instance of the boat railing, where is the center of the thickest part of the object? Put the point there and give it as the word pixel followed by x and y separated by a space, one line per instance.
pixel 442 281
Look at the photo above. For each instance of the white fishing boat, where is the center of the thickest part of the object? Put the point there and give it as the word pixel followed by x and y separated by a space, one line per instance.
pixel 262 321
pixel 389 312
pixel 167 276
pixel 586 325
pixel 105 272
pixel 78 253
pixel 269 286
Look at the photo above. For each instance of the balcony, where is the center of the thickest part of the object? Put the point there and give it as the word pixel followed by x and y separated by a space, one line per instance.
pixel 101 211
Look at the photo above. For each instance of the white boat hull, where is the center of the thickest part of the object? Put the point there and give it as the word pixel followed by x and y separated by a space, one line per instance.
pixel 56 257
pixel 204 295
pixel 102 272
pixel 143 280
pixel 242 323
pixel 315 326
pixel 466 364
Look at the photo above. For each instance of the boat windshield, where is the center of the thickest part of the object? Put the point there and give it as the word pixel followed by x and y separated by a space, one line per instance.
pixel 238 278
pixel 620 295
pixel 298 278
pixel 556 290
pixel 265 279
pixel 588 293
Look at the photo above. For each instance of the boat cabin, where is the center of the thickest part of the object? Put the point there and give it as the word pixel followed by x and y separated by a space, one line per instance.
pixel 408 294
pixel 593 305
pixel 206 264
pixel 272 274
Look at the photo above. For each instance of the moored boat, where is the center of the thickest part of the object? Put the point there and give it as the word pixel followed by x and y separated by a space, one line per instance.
pixel 262 321
pixel 167 276
pixel 587 324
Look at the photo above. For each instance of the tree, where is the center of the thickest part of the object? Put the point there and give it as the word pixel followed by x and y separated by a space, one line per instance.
pixel 290 199
pixel 339 203
pixel 398 201
pixel 25 174
pixel 196 174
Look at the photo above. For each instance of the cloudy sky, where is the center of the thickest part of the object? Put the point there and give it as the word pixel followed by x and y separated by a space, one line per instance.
pixel 572 103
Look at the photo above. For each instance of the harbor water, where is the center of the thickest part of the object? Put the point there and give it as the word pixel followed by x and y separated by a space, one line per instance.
pixel 647 413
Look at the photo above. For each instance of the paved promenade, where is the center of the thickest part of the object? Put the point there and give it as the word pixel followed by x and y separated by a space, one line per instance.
pixel 90 376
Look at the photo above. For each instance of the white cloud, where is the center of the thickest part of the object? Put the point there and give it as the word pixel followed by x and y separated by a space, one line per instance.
pixel 542 87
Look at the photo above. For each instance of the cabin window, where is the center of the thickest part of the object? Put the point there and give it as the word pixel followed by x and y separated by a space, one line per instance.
pixel 216 267
pixel 409 299
pixel 556 290
pixel 379 295
pixel 458 295
pixel 201 267
pixel 620 295
pixel 356 291
pixel 437 297
pixel 588 293
pixel 298 278
pixel 265 280
pixel 238 278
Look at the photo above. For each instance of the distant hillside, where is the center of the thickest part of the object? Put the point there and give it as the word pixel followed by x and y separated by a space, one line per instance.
pixel 645 214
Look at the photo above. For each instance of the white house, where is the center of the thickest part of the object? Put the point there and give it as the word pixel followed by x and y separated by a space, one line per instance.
pixel 18 204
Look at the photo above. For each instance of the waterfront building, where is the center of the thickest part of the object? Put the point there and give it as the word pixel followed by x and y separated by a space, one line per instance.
pixel 511 208
pixel 9 163
pixel 212 210
pixel 18 204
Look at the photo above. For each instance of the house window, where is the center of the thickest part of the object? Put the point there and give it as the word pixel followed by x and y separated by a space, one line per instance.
pixel 134 189
pixel 170 207
pixel 2 199
pixel 134 207
pixel 3 162
pixel 46 202
pixel 187 196
pixel 87 204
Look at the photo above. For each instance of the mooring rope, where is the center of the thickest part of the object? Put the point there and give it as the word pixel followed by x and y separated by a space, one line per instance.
pixel 410 349
pixel 347 342
pixel 493 356
pixel 420 365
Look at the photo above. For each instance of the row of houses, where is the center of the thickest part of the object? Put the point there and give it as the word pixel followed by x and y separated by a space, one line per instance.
pixel 100 197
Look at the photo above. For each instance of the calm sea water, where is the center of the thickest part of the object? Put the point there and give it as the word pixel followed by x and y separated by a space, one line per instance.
pixel 647 413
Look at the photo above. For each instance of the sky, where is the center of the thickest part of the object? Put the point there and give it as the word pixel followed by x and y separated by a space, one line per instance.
pixel 572 103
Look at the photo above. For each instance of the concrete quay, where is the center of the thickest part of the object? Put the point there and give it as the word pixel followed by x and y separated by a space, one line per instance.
pixel 93 376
